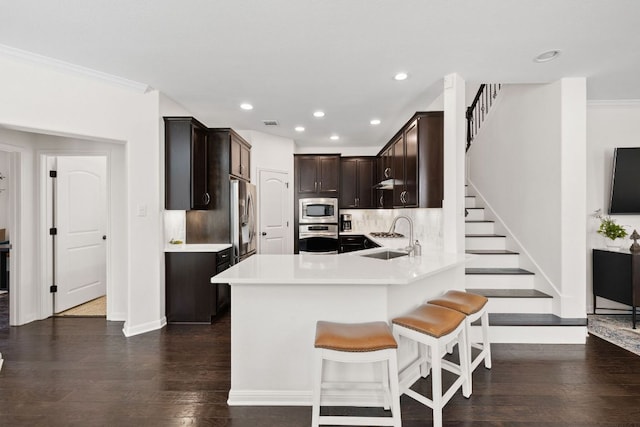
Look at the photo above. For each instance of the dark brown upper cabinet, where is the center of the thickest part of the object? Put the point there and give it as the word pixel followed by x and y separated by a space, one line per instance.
pixel 358 178
pixel 317 175
pixel 240 157
pixel 239 151
pixel 188 182
pixel 384 198
pixel 416 165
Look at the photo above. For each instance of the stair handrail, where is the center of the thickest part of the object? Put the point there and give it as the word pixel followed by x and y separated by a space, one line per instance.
pixel 479 108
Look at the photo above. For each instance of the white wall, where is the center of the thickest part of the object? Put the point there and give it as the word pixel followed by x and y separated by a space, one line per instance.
pixel 344 151
pixel 610 124
pixel 515 164
pixel 273 153
pixel 52 101
pixel 528 164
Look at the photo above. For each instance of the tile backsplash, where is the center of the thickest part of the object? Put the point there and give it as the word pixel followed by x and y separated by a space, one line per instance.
pixel 427 223
pixel 175 225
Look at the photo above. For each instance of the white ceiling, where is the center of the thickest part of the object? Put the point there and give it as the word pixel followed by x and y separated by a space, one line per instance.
pixel 291 57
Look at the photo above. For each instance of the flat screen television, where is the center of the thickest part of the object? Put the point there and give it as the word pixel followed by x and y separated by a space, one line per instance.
pixel 625 184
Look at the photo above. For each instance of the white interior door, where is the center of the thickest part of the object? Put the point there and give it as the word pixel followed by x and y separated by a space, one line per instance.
pixel 80 219
pixel 274 212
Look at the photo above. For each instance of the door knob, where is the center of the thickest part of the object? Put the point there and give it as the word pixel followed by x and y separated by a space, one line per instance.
pixel 104 237
pixel 264 233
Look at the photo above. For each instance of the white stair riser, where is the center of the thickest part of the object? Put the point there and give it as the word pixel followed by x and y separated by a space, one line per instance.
pixel 532 335
pixel 485 243
pixel 520 305
pixel 495 261
pixel 469 201
pixel 499 281
pixel 475 215
pixel 479 227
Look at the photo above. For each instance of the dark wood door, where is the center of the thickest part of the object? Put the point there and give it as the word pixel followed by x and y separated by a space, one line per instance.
pixel 410 198
pixel 236 157
pixel 240 158
pixel 329 174
pixel 398 171
pixel 200 197
pixel 349 188
pixel 365 181
pixel 190 296
pixel 306 171
pixel 245 162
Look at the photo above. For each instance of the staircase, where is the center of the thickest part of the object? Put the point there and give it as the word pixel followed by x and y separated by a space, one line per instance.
pixel 518 313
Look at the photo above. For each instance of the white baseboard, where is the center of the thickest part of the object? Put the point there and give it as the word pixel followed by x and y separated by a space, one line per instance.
pixel 117 317
pixel 356 398
pixel 130 331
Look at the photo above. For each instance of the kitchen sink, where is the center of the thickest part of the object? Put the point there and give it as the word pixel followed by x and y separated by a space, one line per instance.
pixel 386 254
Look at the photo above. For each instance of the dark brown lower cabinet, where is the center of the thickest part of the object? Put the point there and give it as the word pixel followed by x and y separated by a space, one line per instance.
pixel 190 296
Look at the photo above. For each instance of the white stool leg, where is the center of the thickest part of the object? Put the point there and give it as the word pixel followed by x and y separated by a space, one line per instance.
pixel 436 384
pixel 317 389
pixel 395 390
pixel 464 355
pixel 425 356
pixel 485 339
pixel 386 393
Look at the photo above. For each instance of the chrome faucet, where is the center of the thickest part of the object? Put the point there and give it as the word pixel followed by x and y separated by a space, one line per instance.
pixel 409 248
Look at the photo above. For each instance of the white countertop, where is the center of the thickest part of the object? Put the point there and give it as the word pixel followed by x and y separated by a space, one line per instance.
pixel 348 268
pixel 197 247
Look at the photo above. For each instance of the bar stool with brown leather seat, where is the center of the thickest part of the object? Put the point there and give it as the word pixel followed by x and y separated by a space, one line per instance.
pixel 474 307
pixel 433 328
pixel 357 343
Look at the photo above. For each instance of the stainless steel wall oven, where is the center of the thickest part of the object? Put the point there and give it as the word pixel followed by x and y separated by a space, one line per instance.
pixel 318 239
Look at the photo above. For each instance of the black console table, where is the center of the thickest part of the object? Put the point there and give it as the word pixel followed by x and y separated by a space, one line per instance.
pixel 616 277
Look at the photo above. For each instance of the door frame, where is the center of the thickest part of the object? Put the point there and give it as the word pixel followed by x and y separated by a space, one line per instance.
pixel 14 222
pixel 289 214
pixel 45 242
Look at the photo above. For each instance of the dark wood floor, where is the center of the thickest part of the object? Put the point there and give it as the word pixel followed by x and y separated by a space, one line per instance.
pixel 84 372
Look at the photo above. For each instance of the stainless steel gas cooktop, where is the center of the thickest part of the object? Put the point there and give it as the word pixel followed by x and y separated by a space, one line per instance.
pixel 386 234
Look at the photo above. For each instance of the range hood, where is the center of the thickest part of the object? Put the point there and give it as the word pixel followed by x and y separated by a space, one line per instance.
pixel 387 184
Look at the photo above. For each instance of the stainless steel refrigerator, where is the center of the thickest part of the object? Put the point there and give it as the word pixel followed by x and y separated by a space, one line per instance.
pixel 243 220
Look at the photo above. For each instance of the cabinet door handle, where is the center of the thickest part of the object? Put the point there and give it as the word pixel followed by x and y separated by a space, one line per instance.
pixel 381 201
pixel 320 186
pixel 315 186
pixel 264 233
pixel 387 172
pixel 402 197
pixel 206 198
pixel 357 202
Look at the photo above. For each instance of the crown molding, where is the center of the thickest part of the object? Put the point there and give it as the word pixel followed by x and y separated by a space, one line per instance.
pixel 614 103
pixel 68 67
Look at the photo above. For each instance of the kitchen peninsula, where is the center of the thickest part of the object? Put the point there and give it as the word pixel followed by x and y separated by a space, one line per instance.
pixel 276 301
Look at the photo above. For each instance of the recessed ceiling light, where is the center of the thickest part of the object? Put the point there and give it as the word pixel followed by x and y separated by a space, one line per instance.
pixel 246 106
pixel 334 137
pixel 375 122
pixel 547 56
pixel 401 76
pixel 318 114
pixel 299 128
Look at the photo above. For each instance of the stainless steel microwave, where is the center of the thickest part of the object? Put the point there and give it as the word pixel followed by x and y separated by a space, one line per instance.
pixel 318 211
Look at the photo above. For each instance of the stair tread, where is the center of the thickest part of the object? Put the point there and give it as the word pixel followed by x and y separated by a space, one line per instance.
pixel 474 208
pixel 491 252
pixel 484 235
pixel 532 319
pixel 513 271
pixel 510 293
pixel 479 221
